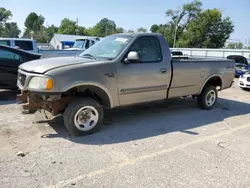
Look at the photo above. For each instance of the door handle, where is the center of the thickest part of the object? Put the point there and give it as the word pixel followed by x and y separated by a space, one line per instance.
pixel 163 71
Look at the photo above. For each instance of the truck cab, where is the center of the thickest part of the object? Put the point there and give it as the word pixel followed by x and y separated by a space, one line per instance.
pixel 29 45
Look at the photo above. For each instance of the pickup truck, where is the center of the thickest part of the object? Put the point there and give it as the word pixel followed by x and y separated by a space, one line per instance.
pixel 120 70
pixel 30 45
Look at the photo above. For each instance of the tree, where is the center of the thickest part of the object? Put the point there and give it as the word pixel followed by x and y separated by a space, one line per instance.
pixel 130 31
pixel 104 27
pixel 141 30
pixel 180 19
pixel 11 30
pixel 51 30
pixel 68 26
pixel 120 30
pixel 154 28
pixel 165 30
pixel 207 30
pixel 235 45
pixel 4 16
pixel 34 22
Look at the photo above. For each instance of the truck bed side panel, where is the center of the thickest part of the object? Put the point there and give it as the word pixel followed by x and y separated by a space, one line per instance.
pixel 190 76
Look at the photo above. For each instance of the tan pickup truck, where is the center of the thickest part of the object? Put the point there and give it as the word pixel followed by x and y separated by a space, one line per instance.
pixel 121 69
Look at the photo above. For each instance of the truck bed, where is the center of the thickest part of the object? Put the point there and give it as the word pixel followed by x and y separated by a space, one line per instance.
pixel 188 77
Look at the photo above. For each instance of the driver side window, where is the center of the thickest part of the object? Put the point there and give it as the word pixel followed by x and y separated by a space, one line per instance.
pixel 148 49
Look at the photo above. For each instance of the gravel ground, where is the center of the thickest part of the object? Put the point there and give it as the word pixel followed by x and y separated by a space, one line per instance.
pixel 172 144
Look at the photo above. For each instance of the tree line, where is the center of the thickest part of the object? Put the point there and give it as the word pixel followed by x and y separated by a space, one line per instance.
pixel 189 26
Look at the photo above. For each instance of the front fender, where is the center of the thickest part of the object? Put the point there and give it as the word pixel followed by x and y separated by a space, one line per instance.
pixel 79 83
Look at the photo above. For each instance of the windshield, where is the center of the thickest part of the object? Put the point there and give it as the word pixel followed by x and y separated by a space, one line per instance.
pixel 109 47
pixel 79 43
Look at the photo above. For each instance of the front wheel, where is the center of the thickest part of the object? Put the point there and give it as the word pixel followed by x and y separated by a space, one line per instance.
pixel 83 116
pixel 208 97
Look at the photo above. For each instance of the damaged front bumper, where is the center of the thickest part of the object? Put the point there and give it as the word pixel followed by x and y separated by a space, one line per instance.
pixel 54 104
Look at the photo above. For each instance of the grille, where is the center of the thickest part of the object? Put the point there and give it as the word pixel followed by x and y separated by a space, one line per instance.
pixel 248 79
pixel 21 78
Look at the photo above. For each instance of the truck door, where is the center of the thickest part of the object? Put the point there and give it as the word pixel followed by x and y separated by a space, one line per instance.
pixel 147 80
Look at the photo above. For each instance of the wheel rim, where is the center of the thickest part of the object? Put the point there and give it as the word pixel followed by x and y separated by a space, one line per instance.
pixel 86 118
pixel 210 98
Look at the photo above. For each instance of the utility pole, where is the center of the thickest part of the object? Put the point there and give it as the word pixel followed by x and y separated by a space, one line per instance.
pixel 175 30
pixel 77 30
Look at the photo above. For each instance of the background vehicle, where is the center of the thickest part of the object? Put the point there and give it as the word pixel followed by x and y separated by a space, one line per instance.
pixel 84 43
pixel 23 44
pixel 31 46
pixel 120 70
pixel 244 81
pixel 242 65
pixel 10 59
pixel 178 55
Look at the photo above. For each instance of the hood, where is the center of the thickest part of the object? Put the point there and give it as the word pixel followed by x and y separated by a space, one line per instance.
pixel 71 49
pixel 46 64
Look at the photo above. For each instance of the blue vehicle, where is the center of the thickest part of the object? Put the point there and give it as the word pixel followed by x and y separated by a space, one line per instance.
pixel 241 63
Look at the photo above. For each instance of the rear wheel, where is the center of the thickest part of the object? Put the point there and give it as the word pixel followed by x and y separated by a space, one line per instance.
pixel 83 116
pixel 208 97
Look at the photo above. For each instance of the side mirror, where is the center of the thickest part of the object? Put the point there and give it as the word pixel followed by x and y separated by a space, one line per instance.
pixel 133 57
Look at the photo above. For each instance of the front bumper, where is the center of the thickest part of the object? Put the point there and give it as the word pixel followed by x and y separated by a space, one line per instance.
pixel 243 83
pixel 54 104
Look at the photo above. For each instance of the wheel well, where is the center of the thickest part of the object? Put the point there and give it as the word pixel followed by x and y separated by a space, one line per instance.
pixel 214 81
pixel 94 92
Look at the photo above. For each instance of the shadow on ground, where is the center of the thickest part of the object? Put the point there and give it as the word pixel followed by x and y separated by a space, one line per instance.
pixel 143 121
pixel 8 96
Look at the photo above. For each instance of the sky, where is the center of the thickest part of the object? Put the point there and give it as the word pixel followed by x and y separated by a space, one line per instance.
pixel 129 14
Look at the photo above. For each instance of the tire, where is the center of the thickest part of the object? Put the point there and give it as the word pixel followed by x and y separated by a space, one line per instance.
pixel 202 99
pixel 90 114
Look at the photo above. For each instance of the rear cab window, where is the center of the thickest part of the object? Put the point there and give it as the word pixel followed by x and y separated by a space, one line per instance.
pixel 24 45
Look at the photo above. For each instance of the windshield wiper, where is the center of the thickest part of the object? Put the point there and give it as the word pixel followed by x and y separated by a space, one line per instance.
pixel 89 55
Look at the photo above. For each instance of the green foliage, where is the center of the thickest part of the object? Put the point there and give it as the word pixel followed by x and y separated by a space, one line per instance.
pixel 188 26
pixel 120 30
pixel 51 30
pixel 141 30
pixel 4 16
pixel 11 30
pixel 104 27
pixel 235 45
pixel 68 26
pixel 130 31
pixel 34 28
pixel 193 27
pixel 154 28
pixel 34 22
pixel 207 30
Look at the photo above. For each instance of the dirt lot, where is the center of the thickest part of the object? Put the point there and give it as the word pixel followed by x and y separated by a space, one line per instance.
pixel 173 144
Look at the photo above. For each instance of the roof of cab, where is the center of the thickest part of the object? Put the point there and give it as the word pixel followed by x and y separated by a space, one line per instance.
pixel 139 34
pixel 21 39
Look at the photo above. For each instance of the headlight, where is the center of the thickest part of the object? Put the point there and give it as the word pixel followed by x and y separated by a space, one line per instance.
pixel 41 83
